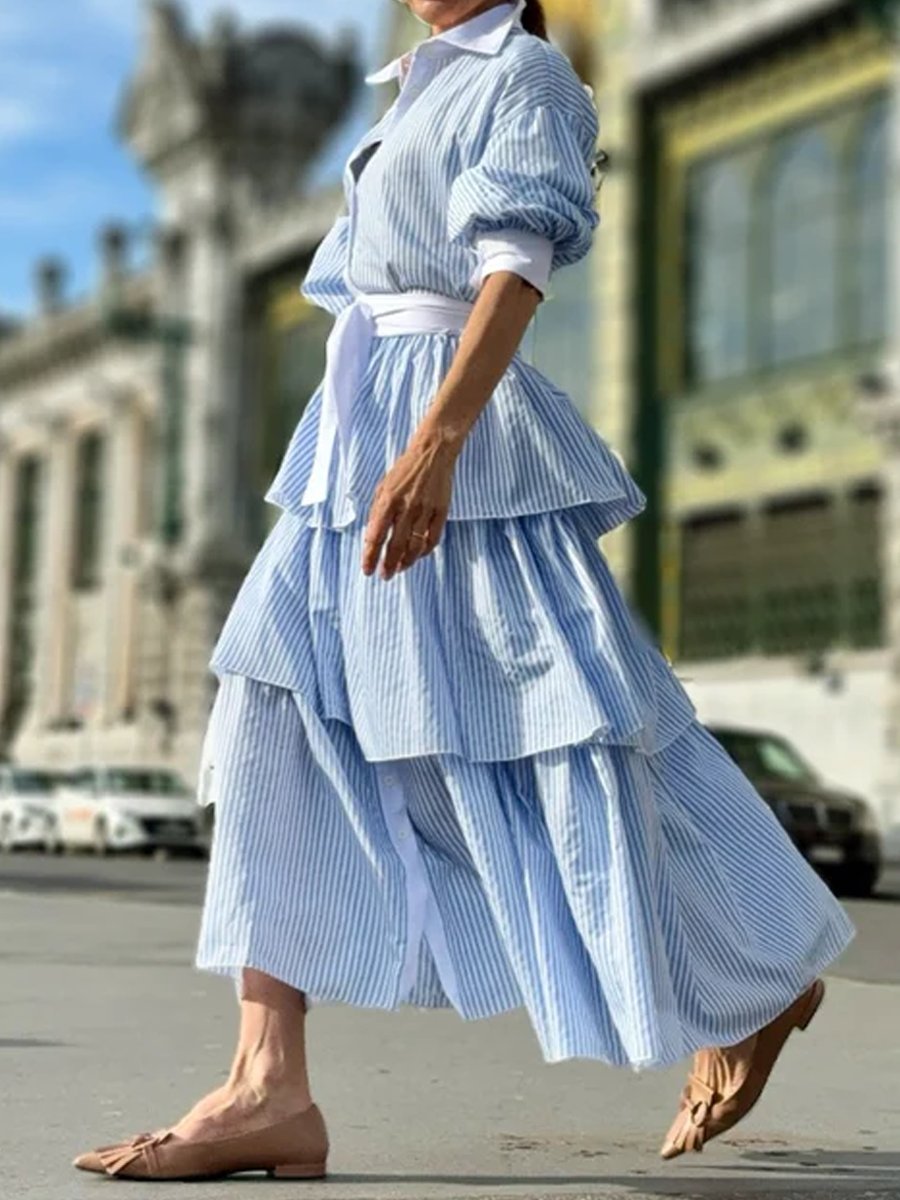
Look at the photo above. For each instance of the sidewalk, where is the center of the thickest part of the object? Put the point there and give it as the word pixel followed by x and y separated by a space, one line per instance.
pixel 107 1030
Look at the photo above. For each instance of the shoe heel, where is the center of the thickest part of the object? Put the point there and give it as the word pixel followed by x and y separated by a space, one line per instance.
pixel 298 1171
pixel 812 1006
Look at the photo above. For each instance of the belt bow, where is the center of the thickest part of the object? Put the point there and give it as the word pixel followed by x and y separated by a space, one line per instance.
pixel 347 353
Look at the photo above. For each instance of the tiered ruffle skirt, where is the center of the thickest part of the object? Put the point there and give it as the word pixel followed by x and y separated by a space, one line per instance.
pixel 480 783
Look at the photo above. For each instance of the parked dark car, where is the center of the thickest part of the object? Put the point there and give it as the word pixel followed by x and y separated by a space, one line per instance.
pixel 836 831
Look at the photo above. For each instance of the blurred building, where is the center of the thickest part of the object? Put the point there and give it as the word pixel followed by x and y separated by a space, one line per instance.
pixel 723 335
pixel 746 277
pixel 140 426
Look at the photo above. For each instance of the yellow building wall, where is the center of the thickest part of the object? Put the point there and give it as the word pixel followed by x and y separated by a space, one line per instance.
pixel 614 275
pixel 742 418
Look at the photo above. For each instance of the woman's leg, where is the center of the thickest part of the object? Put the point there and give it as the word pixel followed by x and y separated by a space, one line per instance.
pixel 268 1080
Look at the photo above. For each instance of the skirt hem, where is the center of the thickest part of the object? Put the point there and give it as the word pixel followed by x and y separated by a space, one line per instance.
pixel 603 514
pixel 638 908
pixel 523 614
pixel 637 741
pixel 228 964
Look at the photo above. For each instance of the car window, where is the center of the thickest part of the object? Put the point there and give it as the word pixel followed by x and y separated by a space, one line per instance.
pixel 780 759
pixel 762 754
pixel 128 779
pixel 32 781
pixel 84 780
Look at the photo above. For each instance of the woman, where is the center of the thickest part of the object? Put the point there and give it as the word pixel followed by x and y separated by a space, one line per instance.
pixel 449 768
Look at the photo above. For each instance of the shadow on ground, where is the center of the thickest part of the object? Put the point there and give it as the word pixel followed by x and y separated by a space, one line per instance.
pixel 28 1044
pixel 779 1174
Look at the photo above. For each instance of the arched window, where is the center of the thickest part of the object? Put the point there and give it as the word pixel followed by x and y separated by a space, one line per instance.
pixel 871 238
pixel 719 227
pixel 803 249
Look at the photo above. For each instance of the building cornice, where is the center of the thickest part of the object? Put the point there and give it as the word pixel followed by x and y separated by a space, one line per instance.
pixel 54 342
pixel 667 56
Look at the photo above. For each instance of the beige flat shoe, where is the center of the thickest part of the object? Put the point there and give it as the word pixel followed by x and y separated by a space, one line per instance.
pixel 721 1090
pixel 296 1148
pixel 91 1160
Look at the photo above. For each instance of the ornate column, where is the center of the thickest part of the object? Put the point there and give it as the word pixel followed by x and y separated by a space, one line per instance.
pixel 52 642
pixel 7 501
pixel 212 558
pixel 161 433
pixel 213 293
pixel 124 471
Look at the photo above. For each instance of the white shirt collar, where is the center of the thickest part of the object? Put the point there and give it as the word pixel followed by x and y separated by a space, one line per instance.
pixel 484 33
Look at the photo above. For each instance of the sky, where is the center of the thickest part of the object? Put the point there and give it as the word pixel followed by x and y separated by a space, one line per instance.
pixel 63 173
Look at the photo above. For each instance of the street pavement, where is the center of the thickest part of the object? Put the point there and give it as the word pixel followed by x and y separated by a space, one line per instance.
pixel 106 1030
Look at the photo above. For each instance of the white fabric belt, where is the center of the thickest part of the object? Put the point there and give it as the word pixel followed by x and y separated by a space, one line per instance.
pixel 369 315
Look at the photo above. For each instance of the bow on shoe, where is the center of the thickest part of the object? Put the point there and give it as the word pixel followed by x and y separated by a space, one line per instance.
pixel 709 1102
pixel 700 1109
pixel 690 1128
pixel 118 1158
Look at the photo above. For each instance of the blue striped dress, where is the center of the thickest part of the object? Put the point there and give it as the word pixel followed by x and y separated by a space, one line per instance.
pixel 480 783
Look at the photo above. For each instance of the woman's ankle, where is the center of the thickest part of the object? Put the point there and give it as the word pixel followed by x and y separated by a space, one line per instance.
pixel 270 1060
pixel 263 1080
pixel 259 988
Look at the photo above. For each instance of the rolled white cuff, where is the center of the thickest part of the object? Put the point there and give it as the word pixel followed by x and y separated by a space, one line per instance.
pixel 527 254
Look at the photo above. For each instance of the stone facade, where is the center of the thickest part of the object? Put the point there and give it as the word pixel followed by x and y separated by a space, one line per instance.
pixel 154 377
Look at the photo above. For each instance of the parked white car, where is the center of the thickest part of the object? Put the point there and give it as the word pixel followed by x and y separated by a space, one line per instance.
pixel 128 808
pixel 27 808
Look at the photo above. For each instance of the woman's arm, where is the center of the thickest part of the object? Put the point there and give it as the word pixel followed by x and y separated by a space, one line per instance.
pixel 414 495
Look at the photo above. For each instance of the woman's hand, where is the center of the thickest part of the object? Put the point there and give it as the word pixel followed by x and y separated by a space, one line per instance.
pixel 411 505
pixel 413 498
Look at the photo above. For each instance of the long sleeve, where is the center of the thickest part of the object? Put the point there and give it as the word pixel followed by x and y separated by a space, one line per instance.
pixel 534 176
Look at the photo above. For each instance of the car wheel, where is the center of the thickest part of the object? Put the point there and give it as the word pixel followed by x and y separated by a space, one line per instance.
pixel 857 881
pixel 100 839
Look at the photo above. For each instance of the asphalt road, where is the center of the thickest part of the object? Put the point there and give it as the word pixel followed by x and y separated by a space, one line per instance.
pixel 874 956
pixel 106 1029
pixel 125 876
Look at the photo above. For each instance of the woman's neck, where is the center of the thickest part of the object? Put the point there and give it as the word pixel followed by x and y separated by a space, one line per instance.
pixel 476 12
